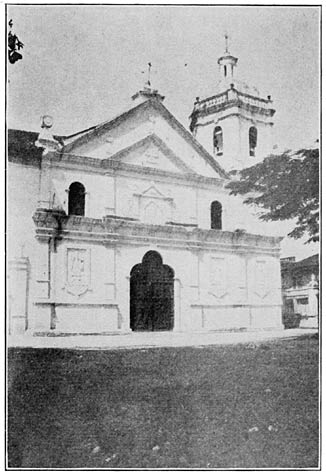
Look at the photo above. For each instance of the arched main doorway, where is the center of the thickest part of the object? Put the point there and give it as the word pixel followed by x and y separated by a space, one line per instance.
pixel 151 294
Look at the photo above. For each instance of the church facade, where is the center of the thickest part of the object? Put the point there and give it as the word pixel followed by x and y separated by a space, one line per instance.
pixel 128 226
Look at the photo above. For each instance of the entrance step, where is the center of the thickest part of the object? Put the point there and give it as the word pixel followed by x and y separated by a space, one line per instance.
pixel 154 339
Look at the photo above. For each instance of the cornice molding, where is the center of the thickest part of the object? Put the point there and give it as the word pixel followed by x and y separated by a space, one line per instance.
pixel 238 104
pixel 98 166
pixel 203 123
pixel 58 226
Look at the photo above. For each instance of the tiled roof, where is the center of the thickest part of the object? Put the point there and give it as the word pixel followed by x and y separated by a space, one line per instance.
pixel 311 261
pixel 21 147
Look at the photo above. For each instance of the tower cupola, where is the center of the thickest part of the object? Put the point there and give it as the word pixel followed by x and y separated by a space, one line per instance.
pixel 227 62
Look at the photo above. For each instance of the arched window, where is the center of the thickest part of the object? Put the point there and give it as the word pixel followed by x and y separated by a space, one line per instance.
pixel 218 141
pixel 76 201
pixel 216 215
pixel 252 141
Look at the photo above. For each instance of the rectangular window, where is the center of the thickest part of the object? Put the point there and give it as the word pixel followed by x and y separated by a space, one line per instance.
pixel 302 300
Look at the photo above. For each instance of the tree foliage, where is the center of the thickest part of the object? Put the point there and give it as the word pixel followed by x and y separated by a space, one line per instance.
pixel 14 45
pixel 284 186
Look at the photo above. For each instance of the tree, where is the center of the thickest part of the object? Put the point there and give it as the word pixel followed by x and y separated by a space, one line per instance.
pixel 284 186
pixel 14 45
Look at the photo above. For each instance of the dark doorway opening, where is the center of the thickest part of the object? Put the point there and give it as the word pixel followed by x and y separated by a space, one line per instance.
pixel 151 295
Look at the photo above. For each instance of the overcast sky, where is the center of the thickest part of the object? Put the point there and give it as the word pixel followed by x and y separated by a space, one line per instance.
pixel 81 64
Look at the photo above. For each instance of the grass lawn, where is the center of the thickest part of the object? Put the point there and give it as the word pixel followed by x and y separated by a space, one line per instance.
pixel 238 406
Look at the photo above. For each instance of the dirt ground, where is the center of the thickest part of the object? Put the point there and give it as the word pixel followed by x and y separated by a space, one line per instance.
pixel 252 405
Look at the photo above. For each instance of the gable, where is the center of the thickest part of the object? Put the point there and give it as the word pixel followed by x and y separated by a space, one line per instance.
pixel 147 133
pixel 150 155
pixel 152 152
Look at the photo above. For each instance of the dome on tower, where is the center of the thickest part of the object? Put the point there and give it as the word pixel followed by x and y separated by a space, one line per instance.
pixel 239 85
pixel 227 64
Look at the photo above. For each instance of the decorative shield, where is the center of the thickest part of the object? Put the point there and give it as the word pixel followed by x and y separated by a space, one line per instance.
pixel 262 281
pixel 78 271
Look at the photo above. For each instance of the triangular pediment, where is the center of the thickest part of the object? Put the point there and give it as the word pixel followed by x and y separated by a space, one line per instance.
pixel 146 136
pixel 151 152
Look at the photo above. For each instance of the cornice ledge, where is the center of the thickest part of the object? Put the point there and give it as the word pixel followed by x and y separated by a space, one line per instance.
pixel 57 224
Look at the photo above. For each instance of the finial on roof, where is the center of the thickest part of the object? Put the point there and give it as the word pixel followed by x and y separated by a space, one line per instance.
pixel 149 74
pixel 47 121
pixel 226 36
pixel 147 92
pixel 148 83
pixel 45 139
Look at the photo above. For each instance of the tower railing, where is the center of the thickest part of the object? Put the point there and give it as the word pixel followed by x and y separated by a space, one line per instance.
pixel 231 97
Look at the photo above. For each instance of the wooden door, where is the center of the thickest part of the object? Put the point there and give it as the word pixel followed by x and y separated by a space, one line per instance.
pixel 151 295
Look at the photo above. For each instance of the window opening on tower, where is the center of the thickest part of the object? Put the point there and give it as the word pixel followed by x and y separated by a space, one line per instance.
pixel 252 141
pixel 218 141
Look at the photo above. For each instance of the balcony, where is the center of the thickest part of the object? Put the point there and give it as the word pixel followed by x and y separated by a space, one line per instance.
pixel 57 226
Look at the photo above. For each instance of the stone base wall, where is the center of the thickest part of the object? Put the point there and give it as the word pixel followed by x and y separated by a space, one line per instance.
pixel 235 318
pixel 77 319
pixel 17 295
pixel 106 320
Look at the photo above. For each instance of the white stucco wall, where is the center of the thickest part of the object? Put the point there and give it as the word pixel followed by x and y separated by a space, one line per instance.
pixel 23 188
pixel 208 285
pixel 132 196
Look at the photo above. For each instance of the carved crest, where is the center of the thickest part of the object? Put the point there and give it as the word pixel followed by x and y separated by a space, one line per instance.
pixel 262 288
pixel 218 278
pixel 78 271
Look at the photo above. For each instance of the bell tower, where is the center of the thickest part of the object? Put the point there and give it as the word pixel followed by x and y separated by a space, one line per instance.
pixel 235 124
